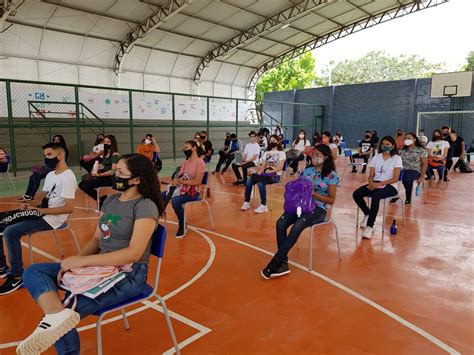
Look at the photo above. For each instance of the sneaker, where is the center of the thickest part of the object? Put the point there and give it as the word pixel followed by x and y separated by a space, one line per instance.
pixel 24 198
pixel 281 270
pixel 364 170
pixel 245 206
pixel 238 182
pixel 51 328
pixel 407 202
pixel 363 223
pixel 367 234
pixel 3 272
pixel 181 233
pixel 270 268
pixel 445 178
pixel 10 285
pixel 394 200
pixel 354 171
pixel 261 209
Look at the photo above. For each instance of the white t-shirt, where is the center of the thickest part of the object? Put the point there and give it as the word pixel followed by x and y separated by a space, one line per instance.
pixel 437 147
pixel 57 188
pixel 250 150
pixel 98 148
pixel 273 158
pixel 384 168
pixel 301 145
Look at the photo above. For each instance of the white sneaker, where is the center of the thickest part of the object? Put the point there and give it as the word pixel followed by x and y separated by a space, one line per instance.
pixel 367 233
pixel 261 209
pixel 245 206
pixel 363 223
pixel 51 328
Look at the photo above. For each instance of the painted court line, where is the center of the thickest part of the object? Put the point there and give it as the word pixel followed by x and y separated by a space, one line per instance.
pixel 362 298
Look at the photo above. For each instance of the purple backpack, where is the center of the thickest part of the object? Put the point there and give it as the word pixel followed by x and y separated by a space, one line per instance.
pixel 299 197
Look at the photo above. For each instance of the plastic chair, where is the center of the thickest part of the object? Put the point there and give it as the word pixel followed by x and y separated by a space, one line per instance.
pixel 7 172
pixel 348 155
pixel 98 189
pixel 385 202
pixel 157 249
pixel 342 145
pixel 65 226
pixel 205 183
pixel 311 234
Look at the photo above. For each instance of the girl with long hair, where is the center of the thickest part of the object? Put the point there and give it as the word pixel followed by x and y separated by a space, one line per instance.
pixel 122 237
pixel 323 176
pixel 299 145
pixel 385 168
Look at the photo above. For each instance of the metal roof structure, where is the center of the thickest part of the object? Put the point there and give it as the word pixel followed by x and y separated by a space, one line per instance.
pixel 211 47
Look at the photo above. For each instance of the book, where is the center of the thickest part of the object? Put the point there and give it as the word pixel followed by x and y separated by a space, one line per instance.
pixel 104 286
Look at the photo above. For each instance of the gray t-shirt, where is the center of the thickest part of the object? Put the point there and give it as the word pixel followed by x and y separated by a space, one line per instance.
pixel 116 223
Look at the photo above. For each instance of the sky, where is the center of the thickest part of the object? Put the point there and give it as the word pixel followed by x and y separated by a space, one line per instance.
pixel 444 33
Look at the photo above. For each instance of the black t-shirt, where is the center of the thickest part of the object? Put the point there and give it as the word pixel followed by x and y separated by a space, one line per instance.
pixel 365 145
pixel 201 151
pixel 457 147
pixel 450 150
pixel 207 146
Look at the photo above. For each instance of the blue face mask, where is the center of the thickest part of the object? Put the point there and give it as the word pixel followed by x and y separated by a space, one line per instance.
pixel 386 149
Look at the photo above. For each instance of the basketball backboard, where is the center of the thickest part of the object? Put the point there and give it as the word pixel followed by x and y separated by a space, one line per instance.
pixel 451 84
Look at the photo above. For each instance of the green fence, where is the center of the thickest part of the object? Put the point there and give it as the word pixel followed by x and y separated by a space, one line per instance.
pixel 31 113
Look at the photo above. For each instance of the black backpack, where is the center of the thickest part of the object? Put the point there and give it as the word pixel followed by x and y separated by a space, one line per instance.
pixel 464 168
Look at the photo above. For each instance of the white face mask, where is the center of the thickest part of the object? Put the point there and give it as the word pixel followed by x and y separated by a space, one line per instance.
pixel 301 136
pixel 318 161
pixel 408 141
pixel 147 141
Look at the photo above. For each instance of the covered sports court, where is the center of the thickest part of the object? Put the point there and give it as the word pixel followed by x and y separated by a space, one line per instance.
pixel 175 67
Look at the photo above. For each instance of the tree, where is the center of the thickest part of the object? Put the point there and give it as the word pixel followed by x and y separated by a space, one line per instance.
pixel 380 66
pixel 297 73
pixel 470 62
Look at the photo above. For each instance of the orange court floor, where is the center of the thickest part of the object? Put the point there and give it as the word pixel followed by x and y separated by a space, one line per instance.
pixel 406 294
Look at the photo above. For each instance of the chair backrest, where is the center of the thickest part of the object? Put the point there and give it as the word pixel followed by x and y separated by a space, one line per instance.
pixel 347 153
pixel 342 145
pixel 205 181
pixel 158 241
pixel 285 141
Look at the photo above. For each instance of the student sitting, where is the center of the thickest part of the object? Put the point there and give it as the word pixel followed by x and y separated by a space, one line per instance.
pixel 148 147
pixel 235 147
pixel 458 150
pixel 188 180
pixel 40 172
pixel 326 139
pixel 269 172
pixel 366 148
pixel 207 145
pixel 249 159
pixel 322 175
pixel 60 187
pixel 122 238
pixel 384 172
pixel 437 153
pixel 102 177
pixel 415 162
pixel 300 144
pixel 3 160
pixel 88 161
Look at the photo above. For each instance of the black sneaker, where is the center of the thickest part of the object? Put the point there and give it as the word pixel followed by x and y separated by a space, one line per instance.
pixel 354 170
pixel 364 171
pixel 3 272
pixel 407 202
pixel 24 198
pixel 281 270
pixel 238 182
pixel 394 200
pixel 275 268
pixel 181 233
pixel 445 179
pixel 10 285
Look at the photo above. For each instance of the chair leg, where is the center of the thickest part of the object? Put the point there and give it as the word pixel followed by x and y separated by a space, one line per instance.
pixel 30 249
pixel 11 181
pixel 403 211
pixel 125 319
pixel 98 199
pixel 78 246
pixel 98 327
pixel 210 214
pixel 310 248
pixel 170 325
pixel 383 217
pixel 61 253
pixel 337 240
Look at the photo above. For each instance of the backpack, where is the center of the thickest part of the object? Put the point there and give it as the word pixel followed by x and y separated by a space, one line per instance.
pixel 464 168
pixel 299 197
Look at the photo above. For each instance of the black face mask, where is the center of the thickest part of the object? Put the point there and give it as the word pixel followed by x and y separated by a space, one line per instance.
pixel 272 145
pixel 188 153
pixel 121 184
pixel 203 138
pixel 445 135
pixel 107 146
pixel 51 162
pixel 367 136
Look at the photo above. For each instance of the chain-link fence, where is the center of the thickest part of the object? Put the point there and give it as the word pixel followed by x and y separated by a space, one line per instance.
pixel 460 121
pixel 31 113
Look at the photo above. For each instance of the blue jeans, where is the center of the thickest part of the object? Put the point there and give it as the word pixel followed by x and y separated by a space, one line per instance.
pixel 409 177
pixel 12 235
pixel 286 241
pixel 35 181
pixel 261 188
pixel 430 171
pixel 178 202
pixel 42 278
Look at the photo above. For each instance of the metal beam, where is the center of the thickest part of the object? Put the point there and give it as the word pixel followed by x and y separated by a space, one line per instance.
pixel 149 24
pixel 266 26
pixel 370 21
pixel 6 8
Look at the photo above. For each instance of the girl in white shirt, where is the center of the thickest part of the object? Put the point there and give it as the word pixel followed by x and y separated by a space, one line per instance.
pixel 437 152
pixel 300 144
pixel 384 173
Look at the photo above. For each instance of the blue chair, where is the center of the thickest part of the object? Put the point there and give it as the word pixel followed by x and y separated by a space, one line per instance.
pixel 205 183
pixel 385 202
pixel 157 249
pixel 348 155
pixel 343 145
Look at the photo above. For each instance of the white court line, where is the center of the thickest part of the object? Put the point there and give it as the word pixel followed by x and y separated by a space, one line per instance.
pixel 41 252
pixel 357 295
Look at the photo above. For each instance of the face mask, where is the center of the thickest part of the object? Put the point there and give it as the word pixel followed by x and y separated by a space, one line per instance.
pixel 445 134
pixel 203 138
pixel 51 162
pixel 367 136
pixel 188 153
pixel 120 184
pixel 147 141
pixel 386 149
pixel 318 161
pixel 272 145
pixel 301 136
pixel 421 134
pixel 107 146
pixel 408 141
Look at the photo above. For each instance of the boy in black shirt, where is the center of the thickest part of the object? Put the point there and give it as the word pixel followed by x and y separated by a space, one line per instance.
pixel 366 147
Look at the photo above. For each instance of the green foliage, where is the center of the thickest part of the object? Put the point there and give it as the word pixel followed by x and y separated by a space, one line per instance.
pixel 380 66
pixel 297 73
pixel 470 62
